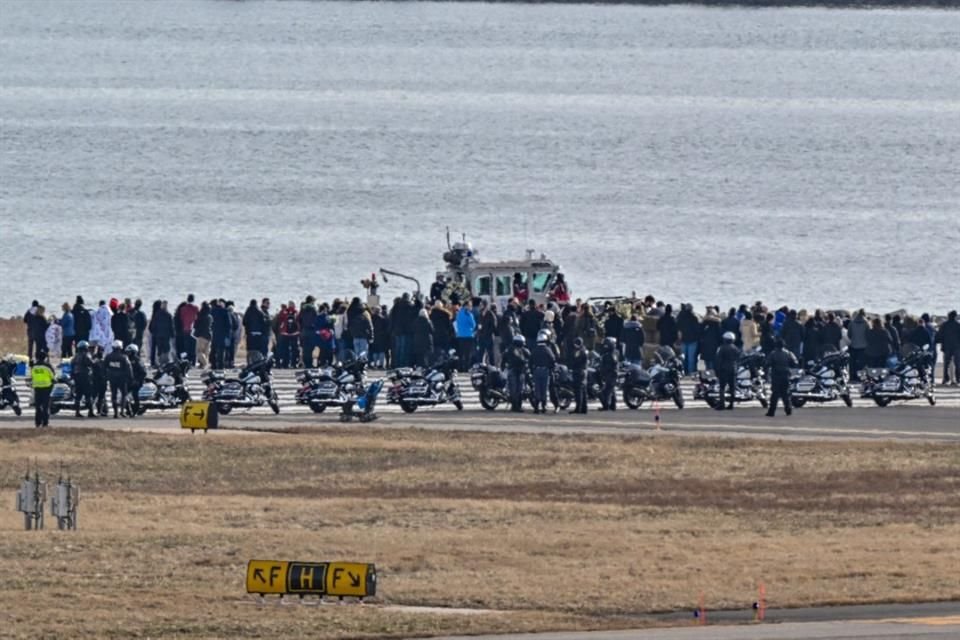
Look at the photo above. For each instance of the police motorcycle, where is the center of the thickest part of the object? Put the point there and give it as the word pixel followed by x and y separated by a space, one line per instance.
pixel 660 382
pixel 491 386
pixel 253 387
pixel 333 386
pixel 414 388
pixel 751 382
pixel 913 378
pixel 8 391
pixel 167 388
pixel 565 389
pixel 64 391
pixel 822 381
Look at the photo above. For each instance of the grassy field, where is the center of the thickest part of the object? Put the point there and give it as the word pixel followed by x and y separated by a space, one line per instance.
pixel 547 532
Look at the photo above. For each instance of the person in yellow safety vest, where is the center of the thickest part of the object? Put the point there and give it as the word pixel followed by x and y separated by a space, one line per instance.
pixel 42 378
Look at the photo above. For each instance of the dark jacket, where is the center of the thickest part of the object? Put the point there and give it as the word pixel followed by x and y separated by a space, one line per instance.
pixel 139 325
pixel 138 372
pixel 948 335
pixel 632 338
pixel 779 362
pixel 878 343
pixel 360 325
pixel 123 327
pixel 830 336
pixel 220 329
pixel 516 358
pixel 792 334
pixel 726 360
pixel 117 367
pixel 161 325
pixel 613 326
pixel 812 349
pixel 422 336
pixel 381 333
pixel 488 324
pixel 688 326
pixel 732 324
pixel 667 326
pixel 442 328
pixel 543 356
pixel 83 322
pixel 203 325
pixel 255 321
pixel 308 317
pixel 710 337
pixel 530 322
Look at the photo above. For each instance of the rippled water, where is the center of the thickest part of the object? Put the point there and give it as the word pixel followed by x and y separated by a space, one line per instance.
pixel 710 155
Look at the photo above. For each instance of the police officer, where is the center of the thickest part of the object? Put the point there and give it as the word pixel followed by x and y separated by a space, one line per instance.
pixel 578 366
pixel 139 375
pixel 515 361
pixel 99 383
pixel 42 377
pixel 119 375
pixel 609 360
pixel 82 367
pixel 543 361
pixel 726 366
pixel 780 362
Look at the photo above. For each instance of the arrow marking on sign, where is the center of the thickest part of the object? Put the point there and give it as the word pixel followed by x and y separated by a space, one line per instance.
pixel 258 574
pixel 200 415
pixel 354 580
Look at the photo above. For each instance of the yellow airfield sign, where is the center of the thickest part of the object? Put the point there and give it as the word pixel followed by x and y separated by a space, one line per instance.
pixel 337 579
pixel 198 415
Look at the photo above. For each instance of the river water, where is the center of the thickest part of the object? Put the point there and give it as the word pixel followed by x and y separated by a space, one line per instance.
pixel 807 156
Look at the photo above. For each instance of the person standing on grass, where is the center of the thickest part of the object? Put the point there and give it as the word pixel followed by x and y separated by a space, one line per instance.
pixel 82 319
pixel 779 363
pixel 28 321
pixel 465 325
pixel 42 378
pixel 161 332
pixel 53 337
pixel 203 334
pixel 139 324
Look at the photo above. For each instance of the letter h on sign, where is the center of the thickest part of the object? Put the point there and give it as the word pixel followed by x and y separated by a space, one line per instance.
pixel 307 578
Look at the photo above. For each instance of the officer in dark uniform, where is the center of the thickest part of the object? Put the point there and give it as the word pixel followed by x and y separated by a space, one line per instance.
pixel 139 375
pixel 609 359
pixel 119 375
pixel 779 363
pixel 83 388
pixel 578 366
pixel 543 361
pixel 726 365
pixel 515 361
pixel 99 383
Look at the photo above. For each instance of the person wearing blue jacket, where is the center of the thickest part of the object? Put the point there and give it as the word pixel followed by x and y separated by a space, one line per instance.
pixel 465 326
pixel 69 327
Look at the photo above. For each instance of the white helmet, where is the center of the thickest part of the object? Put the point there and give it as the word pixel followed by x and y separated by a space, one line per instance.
pixel 118 344
pixel 729 337
pixel 543 336
pixel 132 348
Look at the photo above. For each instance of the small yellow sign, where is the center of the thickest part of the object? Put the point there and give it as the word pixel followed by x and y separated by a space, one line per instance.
pixel 338 579
pixel 351 579
pixel 198 415
pixel 267 576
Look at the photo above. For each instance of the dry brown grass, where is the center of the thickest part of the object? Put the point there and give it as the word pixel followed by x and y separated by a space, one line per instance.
pixel 13 336
pixel 557 532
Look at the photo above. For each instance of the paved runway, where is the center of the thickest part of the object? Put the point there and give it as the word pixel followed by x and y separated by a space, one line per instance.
pixel 915 420
pixel 938 620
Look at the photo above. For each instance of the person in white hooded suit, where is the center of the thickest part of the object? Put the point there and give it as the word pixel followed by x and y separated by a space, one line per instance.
pixel 101 334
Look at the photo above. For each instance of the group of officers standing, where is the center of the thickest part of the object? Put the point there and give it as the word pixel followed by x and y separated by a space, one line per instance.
pixel 121 371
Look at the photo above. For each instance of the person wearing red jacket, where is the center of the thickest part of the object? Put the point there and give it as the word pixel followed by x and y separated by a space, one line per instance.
pixel 288 340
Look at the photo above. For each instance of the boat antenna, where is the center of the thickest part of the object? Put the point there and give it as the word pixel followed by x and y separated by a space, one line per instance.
pixel 448 239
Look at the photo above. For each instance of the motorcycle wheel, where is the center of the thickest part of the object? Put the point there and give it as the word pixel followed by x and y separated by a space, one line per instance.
pixel 932 399
pixel 224 409
pixel 141 411
pixel 847 400
pixel 17 410
pixel 712 402
pixel 678 398
pixel 489 403
pixel 458 404
pixel 564 401
pixel 408 407
pixel 54 410
pixel 797 402
pixel 881 402
pixel 632 398
pixel 764 402
pixel 318 408
pixel 275 406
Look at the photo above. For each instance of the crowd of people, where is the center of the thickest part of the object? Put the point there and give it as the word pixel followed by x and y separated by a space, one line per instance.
pixel 414 330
